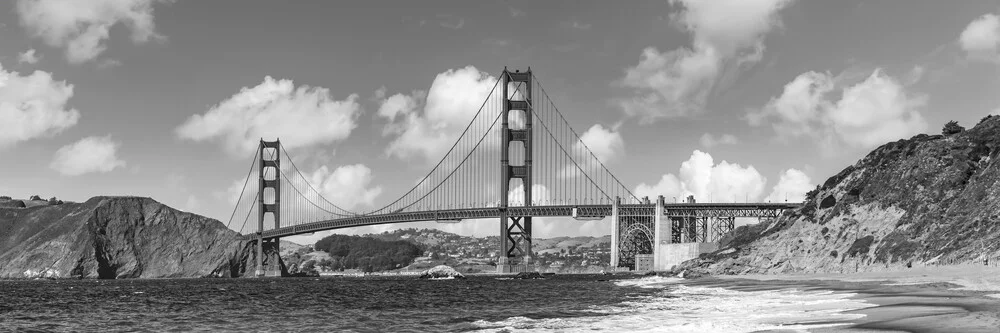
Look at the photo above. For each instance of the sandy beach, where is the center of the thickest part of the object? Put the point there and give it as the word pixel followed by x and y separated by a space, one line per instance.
pixel 960 298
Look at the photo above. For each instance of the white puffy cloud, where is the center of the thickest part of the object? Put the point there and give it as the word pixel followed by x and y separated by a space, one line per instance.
pixel 868 113
pixel 709 141
pixel 606 143
pixel 348 186
pixel 981 38
pixel 33 106
pixel 81 27
pixel 28 57
pixel 89 155
pixel 540 195
pixel 678 83
pixel 450 104
pixel 792 186
pixel 398 104
pixel 300 116
pixel 707 181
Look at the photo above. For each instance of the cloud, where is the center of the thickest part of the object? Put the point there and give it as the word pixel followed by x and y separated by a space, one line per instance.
pixel 348 186
pixel 28 57
pixel 606 143
pixel 399 104
pixel 724 182
pixel 981 38
pixel 580 25
pixel 914 75
pixel 454 26
pixel 450 104
pixel 708 141
pixel 677 83
pixel 540 195
pixel 89 155
pixel 33 106
pixel 301 116
pixel 515 13
pixel 191 204
pixel 707 181
pixel 792 187
pixel 81 27
pixel 868 113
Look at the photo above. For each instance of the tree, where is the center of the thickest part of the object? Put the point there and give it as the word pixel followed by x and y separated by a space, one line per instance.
pixel 308 267
pixel 952 127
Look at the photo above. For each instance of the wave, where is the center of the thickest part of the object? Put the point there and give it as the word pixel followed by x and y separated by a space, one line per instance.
pixel 681 308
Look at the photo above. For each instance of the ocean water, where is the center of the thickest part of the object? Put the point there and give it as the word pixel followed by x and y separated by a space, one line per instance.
pixel 563 303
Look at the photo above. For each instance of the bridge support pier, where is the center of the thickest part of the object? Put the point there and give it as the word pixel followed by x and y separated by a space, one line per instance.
pixel 268 202
pixel 615 227
pixel 663 233
pixel 267 258
pixel 515 231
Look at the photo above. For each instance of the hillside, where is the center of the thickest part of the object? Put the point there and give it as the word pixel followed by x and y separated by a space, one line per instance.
pixel 924 200
pixel 117 237
pixel 449 242
pixel 472 254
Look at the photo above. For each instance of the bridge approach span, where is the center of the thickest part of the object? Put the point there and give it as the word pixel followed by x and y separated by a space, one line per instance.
pixel 729 210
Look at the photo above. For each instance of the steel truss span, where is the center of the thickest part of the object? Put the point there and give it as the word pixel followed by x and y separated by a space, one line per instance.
pixel 671 210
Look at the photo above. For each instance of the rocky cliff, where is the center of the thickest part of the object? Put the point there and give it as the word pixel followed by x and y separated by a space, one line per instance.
pixel 925 200
pixel 117 237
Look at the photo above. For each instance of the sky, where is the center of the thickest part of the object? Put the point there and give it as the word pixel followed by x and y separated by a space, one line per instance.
pixel 725 100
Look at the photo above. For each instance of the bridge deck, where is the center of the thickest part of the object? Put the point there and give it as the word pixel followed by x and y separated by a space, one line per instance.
pixel 590 211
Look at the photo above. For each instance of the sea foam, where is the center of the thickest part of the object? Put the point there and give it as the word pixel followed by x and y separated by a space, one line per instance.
pixel 681 308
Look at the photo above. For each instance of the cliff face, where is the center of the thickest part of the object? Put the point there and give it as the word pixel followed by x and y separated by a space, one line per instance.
pixel 927 199
pixel 117 237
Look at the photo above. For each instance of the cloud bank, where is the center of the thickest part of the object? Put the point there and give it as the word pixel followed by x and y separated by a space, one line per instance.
pixel 300 116
pixel 82 27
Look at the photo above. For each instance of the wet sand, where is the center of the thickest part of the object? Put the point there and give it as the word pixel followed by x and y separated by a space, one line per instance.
pixel 947 299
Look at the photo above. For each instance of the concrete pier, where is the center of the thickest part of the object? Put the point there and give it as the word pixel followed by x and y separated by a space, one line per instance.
pixel 666 256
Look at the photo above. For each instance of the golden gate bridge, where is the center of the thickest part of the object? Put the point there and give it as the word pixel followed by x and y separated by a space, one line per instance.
pixel 517 159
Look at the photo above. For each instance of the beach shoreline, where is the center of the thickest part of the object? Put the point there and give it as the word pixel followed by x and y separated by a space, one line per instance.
pixel 959 298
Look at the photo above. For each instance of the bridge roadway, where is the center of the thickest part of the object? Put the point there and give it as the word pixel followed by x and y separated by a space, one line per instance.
pixel 582 211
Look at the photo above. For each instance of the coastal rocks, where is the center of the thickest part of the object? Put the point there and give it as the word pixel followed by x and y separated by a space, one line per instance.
pixel 528 276
pixel 441 272
pixel 42 274
pixel 116 237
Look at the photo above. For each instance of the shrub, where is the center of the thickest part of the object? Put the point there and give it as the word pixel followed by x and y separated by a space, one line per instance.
pixel 828 202
pixel 860 246
pixel 833 253
pixel 35 197
pixel 4 197
pixel 984 119
pixel 952 127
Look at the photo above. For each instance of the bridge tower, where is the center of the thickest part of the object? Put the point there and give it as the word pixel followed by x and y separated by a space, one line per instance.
pixel 268 178
pixel 515 231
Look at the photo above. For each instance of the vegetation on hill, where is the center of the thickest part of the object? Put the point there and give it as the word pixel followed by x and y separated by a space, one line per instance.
pixel 468 254
pixel 366 253
pixel 920 201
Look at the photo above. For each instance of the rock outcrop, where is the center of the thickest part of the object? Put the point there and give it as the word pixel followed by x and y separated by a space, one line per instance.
pixel 924 200
pixel 118 237
pixel 441 272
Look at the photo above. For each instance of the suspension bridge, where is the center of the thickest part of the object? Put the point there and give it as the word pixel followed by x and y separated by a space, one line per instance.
pixel 517 159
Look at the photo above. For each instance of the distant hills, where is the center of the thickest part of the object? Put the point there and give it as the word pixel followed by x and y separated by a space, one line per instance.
pixel 465 252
